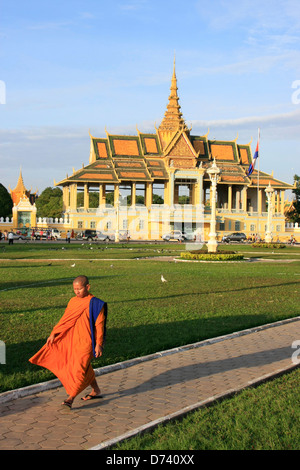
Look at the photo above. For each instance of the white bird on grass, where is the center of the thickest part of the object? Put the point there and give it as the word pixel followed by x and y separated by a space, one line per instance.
pixel 73 265
pixel 163 279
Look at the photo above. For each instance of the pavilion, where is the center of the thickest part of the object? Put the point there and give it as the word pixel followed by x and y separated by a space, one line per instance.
pixel 152 183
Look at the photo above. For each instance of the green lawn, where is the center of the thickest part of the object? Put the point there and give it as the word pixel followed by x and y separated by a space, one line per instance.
pixel 199 301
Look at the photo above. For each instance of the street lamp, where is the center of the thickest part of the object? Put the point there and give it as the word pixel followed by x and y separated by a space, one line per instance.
pixel 269 191
pixel 214 176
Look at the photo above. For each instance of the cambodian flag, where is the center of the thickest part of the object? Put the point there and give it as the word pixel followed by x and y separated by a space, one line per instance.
pixel 255 157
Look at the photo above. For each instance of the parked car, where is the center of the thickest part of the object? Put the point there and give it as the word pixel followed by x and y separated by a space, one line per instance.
pixel 95 235
pixel 89 235
pixel 19 236
pixel 105 237
pixel 234 237
pixel 52 234
pixel 174 235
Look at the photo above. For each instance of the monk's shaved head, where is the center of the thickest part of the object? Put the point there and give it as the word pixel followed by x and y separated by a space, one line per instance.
pixel 83 280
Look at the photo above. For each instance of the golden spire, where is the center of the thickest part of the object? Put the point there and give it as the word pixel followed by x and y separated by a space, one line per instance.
pixel 173 120
pixel 20 184
pixel 20 190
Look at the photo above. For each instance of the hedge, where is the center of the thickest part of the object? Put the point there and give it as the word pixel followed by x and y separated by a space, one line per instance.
pixel 211 256
pixel 268 245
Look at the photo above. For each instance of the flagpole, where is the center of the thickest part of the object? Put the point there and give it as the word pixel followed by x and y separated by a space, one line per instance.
pixel 258 140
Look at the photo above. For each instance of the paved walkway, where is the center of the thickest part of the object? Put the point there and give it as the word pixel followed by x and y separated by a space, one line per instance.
pixel 139 394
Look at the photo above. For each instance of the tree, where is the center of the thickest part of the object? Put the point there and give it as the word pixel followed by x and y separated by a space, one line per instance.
pixel 294 214
pixel 50 203
pixel 6 203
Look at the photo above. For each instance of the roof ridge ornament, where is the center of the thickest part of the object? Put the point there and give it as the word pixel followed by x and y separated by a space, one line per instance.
pixel 173 120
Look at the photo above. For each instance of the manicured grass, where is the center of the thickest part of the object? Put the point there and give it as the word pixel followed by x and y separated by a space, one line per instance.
pixel 199 301
pixel 86 250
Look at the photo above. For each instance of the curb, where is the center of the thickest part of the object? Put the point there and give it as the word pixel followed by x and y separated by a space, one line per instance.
pixel 44 386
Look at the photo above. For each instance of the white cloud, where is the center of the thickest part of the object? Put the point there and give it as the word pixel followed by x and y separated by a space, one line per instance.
pixel 282 120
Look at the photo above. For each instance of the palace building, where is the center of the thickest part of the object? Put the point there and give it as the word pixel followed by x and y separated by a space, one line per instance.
pixel 149 184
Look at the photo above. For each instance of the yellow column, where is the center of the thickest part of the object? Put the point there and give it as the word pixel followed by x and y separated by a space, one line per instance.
pixel 199 188
pixel 33 217
pixel 230 198
pixel 86 202
pixel 277 201
pixel 15 217
pixel 101 194
pixel 166 193
pixel 133 194
pixel 148 194
pixel 66 198
pixel 116 195
pixel 244 200
pixel 282 202
pixel 259 205
pixel 73 196
pixel 171 188
pixel 237 199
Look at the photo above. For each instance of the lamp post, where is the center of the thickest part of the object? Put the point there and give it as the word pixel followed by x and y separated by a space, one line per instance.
pixel 269 191
pixel 214 176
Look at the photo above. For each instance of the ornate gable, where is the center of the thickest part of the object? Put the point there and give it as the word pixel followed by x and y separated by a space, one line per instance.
pixel 180 153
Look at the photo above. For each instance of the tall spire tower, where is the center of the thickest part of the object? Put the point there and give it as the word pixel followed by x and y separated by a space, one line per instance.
pixel 173 121
pixel 19 191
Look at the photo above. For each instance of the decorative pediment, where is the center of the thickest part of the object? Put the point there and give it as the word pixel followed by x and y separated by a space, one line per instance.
pixel 180 153
pixel 180 146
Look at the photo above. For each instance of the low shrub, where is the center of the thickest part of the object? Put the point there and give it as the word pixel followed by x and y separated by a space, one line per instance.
pixel 268 245
pixel 204 251
pixel 211 256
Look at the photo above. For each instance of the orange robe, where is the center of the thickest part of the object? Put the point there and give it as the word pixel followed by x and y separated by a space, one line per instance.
pixel 69 356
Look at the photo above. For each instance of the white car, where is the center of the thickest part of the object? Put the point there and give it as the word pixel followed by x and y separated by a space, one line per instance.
pixel 102 236
pixel 174 235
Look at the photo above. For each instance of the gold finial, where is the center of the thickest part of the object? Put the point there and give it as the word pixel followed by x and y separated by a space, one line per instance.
pixel 174 64
pixel 207 133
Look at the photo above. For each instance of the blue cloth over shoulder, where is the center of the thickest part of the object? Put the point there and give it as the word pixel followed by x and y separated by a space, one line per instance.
pixel 96 306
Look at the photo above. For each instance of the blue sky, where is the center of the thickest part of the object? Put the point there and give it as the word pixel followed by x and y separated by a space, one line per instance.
pixel 72 66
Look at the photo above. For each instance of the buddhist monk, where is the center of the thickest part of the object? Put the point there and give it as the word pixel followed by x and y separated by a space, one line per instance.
pixel 77 337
